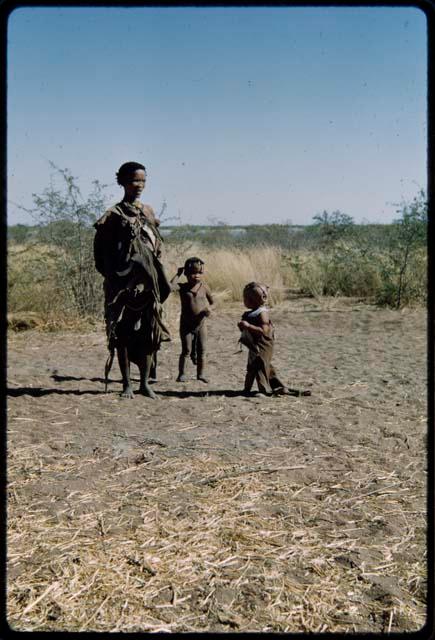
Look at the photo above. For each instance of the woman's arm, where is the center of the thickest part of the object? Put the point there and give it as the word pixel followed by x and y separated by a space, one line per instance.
pixel 106 251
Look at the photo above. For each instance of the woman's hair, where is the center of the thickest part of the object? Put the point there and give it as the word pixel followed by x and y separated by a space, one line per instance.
pixel 260 289
pixel 127 169
pixel 193 265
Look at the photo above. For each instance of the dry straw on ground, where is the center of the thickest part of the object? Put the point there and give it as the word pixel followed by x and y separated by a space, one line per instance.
pixel 189 544
pixel 209 511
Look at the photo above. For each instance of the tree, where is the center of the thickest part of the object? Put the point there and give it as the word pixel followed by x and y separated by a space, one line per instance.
pixel 65 218
pixel 406 243
pixel 332 226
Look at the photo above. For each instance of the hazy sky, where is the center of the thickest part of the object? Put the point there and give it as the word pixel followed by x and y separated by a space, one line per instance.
pixel 244 115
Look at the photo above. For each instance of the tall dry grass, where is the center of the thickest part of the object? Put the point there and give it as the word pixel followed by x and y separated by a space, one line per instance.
pixel 32 282
pixel 39 281
pixel 227 271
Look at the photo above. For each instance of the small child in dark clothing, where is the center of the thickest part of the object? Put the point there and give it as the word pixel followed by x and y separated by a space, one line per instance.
pixel 195 296
pixel 258 335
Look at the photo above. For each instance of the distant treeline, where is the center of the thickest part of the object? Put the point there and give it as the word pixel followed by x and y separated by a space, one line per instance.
pixel 286 236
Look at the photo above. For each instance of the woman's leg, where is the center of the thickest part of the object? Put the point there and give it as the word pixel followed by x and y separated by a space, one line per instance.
pixel 145 369
pixel 124 366
pixel 153 370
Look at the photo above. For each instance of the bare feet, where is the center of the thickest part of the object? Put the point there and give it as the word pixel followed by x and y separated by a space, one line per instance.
pixel 146 391
pixel 127 392
pixel 284 391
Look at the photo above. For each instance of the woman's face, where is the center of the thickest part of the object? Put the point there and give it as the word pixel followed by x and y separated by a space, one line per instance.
pixel 134 185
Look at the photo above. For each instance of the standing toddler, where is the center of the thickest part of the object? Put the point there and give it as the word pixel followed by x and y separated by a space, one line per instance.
pixel 258 335
pixel 195 297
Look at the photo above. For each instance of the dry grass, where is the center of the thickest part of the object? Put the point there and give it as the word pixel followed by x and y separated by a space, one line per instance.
pixel 53 320
pixel 197 544
pixel 35 300
pixel 32 280
pixel 28 253
pixel 229 270
pixel 35 288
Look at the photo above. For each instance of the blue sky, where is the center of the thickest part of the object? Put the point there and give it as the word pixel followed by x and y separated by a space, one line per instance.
pixel 243 115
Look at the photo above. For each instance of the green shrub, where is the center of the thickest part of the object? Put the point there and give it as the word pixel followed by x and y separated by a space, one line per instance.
pixel 404 268
pixel 64 222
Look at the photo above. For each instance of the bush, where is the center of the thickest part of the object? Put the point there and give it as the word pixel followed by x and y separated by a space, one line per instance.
pixel 64 223
pixel 32 281
pixel 404 266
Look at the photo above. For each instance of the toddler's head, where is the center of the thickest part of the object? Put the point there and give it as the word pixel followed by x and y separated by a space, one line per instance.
pixel 254 295
pixel 194 269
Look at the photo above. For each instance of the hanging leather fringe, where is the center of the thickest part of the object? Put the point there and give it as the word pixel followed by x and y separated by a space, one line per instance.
pixel 107 368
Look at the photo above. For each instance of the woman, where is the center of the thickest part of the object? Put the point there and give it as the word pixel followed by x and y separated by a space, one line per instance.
pixel 127 251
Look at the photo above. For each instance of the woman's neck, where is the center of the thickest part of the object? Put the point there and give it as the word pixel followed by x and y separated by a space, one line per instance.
pixel 130 200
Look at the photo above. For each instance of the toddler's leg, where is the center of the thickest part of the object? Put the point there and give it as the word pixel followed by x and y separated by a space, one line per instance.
pixel 279 388
pixel 250 373
pixel 262 376
pixel 249 381
pixel 193 354
pixel 201 342
pixel 277 385
pixel 186 347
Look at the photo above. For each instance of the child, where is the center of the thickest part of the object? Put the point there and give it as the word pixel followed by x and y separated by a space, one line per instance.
pixel 258 335
pixel 194 296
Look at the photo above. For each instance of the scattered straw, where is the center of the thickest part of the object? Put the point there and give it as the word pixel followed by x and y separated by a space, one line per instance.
pixel 196 544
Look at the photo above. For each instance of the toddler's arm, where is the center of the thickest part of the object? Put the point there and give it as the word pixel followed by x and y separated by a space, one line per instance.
pixel 208 295
pixel 173 283
pixel 262 329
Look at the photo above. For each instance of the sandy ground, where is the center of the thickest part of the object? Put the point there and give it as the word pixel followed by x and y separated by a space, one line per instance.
pixel 281 513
